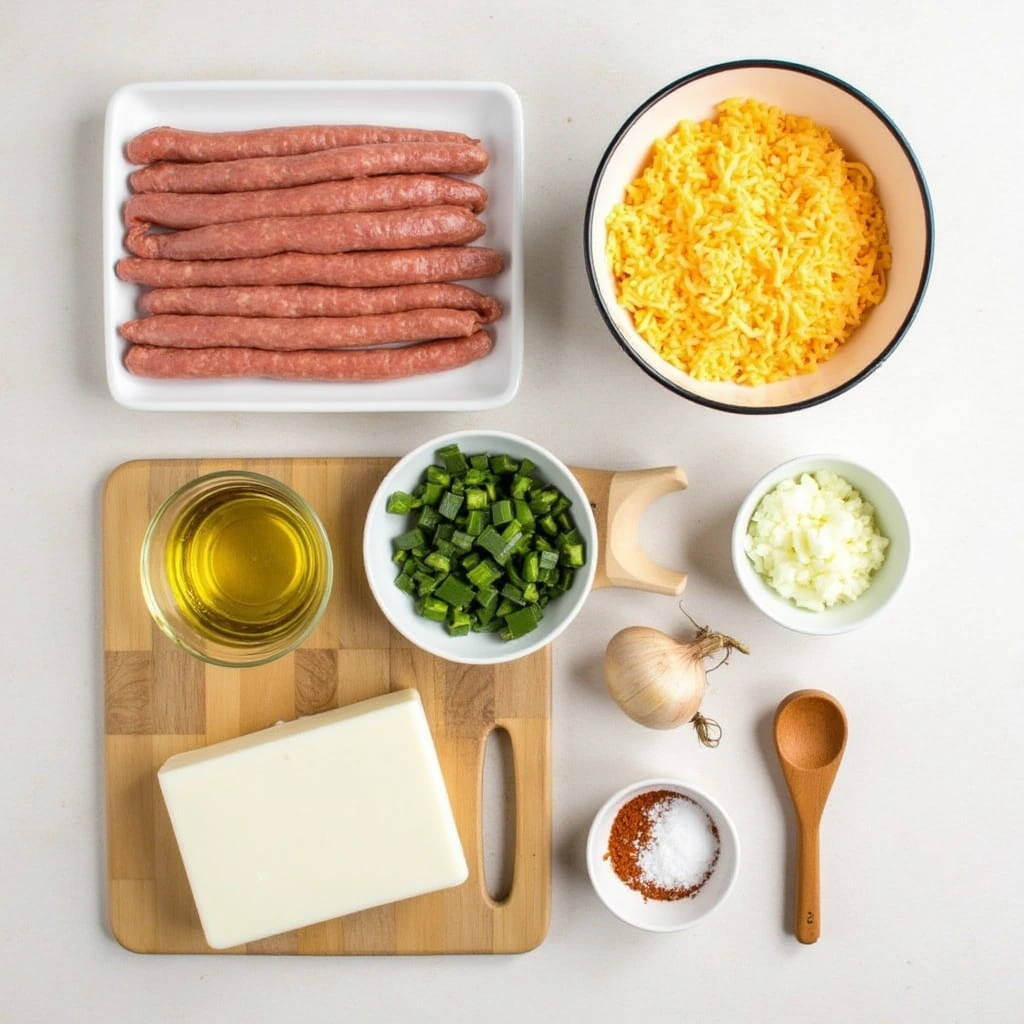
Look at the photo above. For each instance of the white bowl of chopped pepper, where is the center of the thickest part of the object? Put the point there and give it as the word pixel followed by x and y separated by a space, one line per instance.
pixel 662 855
pixel 480 546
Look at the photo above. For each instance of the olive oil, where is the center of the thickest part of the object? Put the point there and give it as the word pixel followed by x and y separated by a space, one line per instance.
pixel 244 567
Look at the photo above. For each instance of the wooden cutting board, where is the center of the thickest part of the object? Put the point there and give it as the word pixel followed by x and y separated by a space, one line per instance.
pixel 160 701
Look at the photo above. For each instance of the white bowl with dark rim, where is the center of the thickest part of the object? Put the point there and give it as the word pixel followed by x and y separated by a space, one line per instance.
pixel 865 132
pixel 398 607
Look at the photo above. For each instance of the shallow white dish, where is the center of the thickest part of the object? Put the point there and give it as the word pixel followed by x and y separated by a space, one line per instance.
pixel 489 111
pixel 382 527
pixel 660 915
pixel 891 520
pixel 865 132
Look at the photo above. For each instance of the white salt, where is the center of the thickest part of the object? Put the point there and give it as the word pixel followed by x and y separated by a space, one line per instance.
pixel 682 848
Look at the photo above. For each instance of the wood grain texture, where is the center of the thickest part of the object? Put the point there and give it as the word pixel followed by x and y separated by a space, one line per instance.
pixel 159 701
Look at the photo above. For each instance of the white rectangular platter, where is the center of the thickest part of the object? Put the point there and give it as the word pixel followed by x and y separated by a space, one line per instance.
pixel 489 111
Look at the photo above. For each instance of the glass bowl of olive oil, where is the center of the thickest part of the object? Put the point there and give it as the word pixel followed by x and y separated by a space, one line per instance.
pixel 236 568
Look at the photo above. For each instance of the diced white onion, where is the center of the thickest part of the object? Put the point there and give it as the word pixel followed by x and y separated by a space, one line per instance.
pixel 815 541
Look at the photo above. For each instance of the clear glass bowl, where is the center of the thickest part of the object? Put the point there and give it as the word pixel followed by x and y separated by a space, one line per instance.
pixel 236 568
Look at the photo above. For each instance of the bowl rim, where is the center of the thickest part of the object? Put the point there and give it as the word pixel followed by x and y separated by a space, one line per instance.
pixel 726 826
pixel 765 600
pixel 926 203
pixel 584 580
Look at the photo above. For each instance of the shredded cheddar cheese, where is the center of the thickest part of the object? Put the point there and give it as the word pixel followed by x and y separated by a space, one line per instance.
pixel 749 248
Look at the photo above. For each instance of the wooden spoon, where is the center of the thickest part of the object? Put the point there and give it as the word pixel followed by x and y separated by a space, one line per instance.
pixel 810 736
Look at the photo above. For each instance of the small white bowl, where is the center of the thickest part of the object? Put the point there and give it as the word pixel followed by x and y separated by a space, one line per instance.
pixel 660 915
pixel 865 132
pixel 382 527
pixel 891 520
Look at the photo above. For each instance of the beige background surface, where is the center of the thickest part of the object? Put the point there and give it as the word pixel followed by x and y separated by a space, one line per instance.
pixel 923 837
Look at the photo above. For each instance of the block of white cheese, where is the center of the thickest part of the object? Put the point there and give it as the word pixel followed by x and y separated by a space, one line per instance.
pixel 313 819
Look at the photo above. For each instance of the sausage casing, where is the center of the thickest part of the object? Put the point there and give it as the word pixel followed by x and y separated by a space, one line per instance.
pixel 330 233
pixel 361 365
pixel 290 333
pixel 307 168
pixel 348 270
pixel 387 192
pixel 167 143
pixel 317 300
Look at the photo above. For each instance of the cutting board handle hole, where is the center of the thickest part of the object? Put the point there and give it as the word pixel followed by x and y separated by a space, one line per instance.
pixel 498 814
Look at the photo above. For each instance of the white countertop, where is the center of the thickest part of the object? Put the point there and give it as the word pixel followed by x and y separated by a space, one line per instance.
pixel 923 836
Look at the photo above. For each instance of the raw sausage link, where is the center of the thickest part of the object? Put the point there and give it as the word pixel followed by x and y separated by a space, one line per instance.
pixel 290 333
pixel 315 300
pixel 165 143
pixel 387 192
pixel 349 270
pixel 361 365
pixel 330 233
pixel 326 165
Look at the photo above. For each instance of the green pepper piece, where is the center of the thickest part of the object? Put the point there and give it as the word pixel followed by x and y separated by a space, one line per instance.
pixel 542 501
pixel 531 566
pixel 572 556
pixel 476 499
pixel 436 475
pixel 400 503
pixel 503 464
pixel 502 512
pixel 462 541
pixel 520 486
pixel 520 622
pixel 475 522
pixel 483 574
pixel 410 539
pixel 450 504
pixel 432 493
pixel 455 592
pixel 490 540
pixel 432 608
pixel 547 558
pixel 548 525
pixel 453 459
pixel 439 562
pixel 426 582
pixel 524 514
pixel 428 517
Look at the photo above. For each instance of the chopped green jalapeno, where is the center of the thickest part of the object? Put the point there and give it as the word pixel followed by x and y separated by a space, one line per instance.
pixel 450 504
pixel 489 543
pixel 453 459
pixel 399 503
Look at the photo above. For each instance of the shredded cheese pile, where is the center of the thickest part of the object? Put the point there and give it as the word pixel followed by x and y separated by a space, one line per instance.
pixel 749 248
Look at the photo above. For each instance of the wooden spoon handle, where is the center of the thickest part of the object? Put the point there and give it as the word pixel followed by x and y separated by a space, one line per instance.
pixel 808 884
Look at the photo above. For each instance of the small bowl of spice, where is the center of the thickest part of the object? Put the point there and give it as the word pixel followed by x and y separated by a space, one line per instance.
pixel 662 855
pixel 821 544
